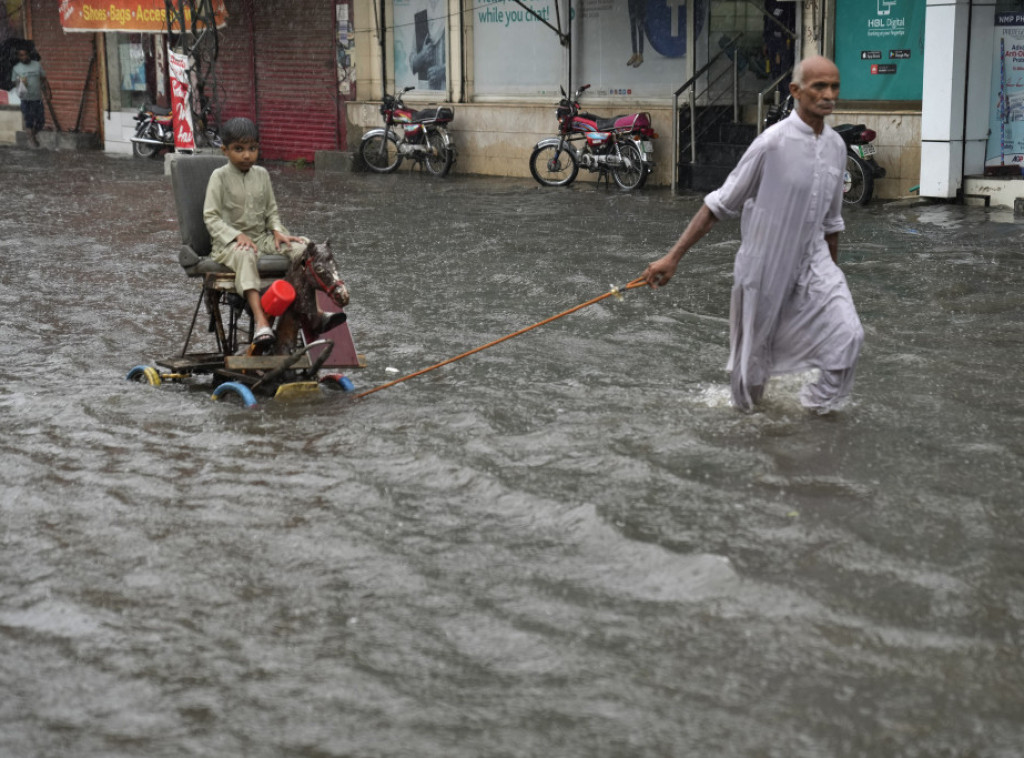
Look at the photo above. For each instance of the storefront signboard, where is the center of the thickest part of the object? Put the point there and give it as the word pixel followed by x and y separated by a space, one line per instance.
pixel 1006 111
pixel 132 16
pixel 880 49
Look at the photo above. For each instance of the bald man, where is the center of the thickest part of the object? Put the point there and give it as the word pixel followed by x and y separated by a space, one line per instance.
pixel 791 309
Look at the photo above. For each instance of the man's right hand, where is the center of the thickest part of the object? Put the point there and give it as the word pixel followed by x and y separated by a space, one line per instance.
pixel 661 271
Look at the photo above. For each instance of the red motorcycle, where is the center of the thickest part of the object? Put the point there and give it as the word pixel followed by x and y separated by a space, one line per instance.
pixel 154 131
pixel 420 135
pixel 620 145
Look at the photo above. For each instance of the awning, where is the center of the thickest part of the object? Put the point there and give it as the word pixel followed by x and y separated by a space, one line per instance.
pixel 124 15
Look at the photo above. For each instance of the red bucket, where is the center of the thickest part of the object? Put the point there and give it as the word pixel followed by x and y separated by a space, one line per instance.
pixel 275 301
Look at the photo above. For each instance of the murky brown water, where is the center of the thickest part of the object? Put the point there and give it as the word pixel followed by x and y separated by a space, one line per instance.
pixel 568 545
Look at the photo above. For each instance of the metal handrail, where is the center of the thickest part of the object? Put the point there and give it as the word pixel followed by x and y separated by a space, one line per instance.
pixel 765 91
pixel 689 84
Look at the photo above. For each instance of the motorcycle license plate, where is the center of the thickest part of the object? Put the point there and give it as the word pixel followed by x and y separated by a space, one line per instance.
pixel 866 151
pixel 647 146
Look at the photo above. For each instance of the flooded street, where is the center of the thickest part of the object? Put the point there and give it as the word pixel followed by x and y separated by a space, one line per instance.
pixel 568 545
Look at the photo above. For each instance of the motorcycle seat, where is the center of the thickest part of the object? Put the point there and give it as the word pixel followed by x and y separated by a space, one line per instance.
pixel 438 114
pixel 842 129
pixel 189 177
pixel 157 110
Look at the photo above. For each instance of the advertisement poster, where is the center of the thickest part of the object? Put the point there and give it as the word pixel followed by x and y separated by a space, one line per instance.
pixel 133 67
pixel 124 15
pixel 184 136
pixel 880 49
pixel 345 45
pixel 420 55
pixel 1006 113
pixel 620 47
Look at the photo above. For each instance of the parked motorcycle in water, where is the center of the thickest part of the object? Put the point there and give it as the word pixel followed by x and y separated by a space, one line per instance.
pixel 154 131
pixel 419 135
pixel 620 145
pixel 861 167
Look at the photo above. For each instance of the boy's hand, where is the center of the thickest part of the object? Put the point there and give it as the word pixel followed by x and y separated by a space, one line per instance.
pixel 244 243
pixel 280 239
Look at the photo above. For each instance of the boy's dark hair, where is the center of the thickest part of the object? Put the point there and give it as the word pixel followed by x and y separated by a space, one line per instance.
pixel 239 130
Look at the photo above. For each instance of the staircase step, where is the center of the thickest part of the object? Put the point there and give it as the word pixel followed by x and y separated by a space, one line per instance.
pixel 702 177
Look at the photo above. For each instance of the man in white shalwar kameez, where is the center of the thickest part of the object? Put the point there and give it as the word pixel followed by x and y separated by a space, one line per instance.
pixel 791 309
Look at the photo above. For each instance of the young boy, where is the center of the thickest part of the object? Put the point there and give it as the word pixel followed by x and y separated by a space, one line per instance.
pixel 240 213
pixel 30 73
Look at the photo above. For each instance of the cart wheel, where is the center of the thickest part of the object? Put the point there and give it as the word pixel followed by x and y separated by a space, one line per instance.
pixel 237 388
pixel 338 381
pixel 146 374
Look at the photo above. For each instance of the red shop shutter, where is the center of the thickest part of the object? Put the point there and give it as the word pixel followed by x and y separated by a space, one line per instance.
pixel 233 81
pixel 276 66
pixel 65 59
pixel 296 78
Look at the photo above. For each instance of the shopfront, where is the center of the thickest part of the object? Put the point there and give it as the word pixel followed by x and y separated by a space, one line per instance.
pixel 274 62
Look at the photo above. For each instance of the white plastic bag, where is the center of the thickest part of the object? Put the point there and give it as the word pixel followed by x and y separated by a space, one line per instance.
pixel 22 89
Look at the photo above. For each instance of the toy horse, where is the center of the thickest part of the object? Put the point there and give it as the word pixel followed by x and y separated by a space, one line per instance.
pixel 314 270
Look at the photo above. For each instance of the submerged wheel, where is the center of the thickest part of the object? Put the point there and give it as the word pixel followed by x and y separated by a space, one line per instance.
pixel 858 181
pixel 338 381
pixel 380 153
pixel 235 388
pixel 146 374
pixel 439 158
pixel 553 166
pixel 632 174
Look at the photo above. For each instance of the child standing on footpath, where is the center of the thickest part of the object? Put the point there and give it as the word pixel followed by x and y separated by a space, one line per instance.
pixel 30 74
pixel 240 213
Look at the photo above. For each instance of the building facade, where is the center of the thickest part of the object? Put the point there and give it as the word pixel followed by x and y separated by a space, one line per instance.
pixel 924 74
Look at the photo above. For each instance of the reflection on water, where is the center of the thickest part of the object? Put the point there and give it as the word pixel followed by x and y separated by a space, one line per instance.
pixel 565 545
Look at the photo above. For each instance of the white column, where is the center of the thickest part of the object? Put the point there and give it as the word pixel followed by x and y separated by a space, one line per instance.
pixel 946 49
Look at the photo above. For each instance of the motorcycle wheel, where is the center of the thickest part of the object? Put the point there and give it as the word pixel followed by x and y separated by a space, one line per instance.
pixel 439 158
pixel 143 149
pixel 858 181
pixel 380 153
pixel 633 175
pixel 553 167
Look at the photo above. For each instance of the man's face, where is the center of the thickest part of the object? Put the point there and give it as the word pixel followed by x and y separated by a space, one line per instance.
pixel 23 56
pixel 242 154
pixel 820 91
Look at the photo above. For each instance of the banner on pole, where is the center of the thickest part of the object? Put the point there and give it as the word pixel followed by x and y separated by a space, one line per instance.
pixel 184 136
pixel 133 16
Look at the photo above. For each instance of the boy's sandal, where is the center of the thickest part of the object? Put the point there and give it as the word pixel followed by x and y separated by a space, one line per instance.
pixel 264 336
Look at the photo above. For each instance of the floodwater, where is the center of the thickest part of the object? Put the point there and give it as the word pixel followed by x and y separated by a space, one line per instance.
pixel 566 545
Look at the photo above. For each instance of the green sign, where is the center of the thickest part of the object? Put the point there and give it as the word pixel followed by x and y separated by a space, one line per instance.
pixel 880 49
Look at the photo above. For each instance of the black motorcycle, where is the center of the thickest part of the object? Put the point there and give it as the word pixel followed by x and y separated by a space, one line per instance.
pixel 861 167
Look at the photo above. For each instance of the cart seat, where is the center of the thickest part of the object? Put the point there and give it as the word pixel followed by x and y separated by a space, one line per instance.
pixel 189 176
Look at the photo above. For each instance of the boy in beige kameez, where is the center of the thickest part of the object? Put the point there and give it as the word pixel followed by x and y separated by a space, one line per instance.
pixel 240 212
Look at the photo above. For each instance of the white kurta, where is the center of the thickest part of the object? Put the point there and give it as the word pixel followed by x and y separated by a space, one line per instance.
pixel 791 308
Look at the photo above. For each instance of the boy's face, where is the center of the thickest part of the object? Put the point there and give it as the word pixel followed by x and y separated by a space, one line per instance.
pixel 23 56
pixel 242 154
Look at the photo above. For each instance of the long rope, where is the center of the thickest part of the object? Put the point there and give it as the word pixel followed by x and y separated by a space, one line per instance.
pixel 613 292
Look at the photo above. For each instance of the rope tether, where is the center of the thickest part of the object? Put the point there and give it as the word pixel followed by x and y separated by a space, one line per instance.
pixel 613 292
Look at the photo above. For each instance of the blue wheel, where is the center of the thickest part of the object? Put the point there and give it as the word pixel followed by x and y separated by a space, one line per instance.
pixel 146 374
pixel 236 388
pixel 342 382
